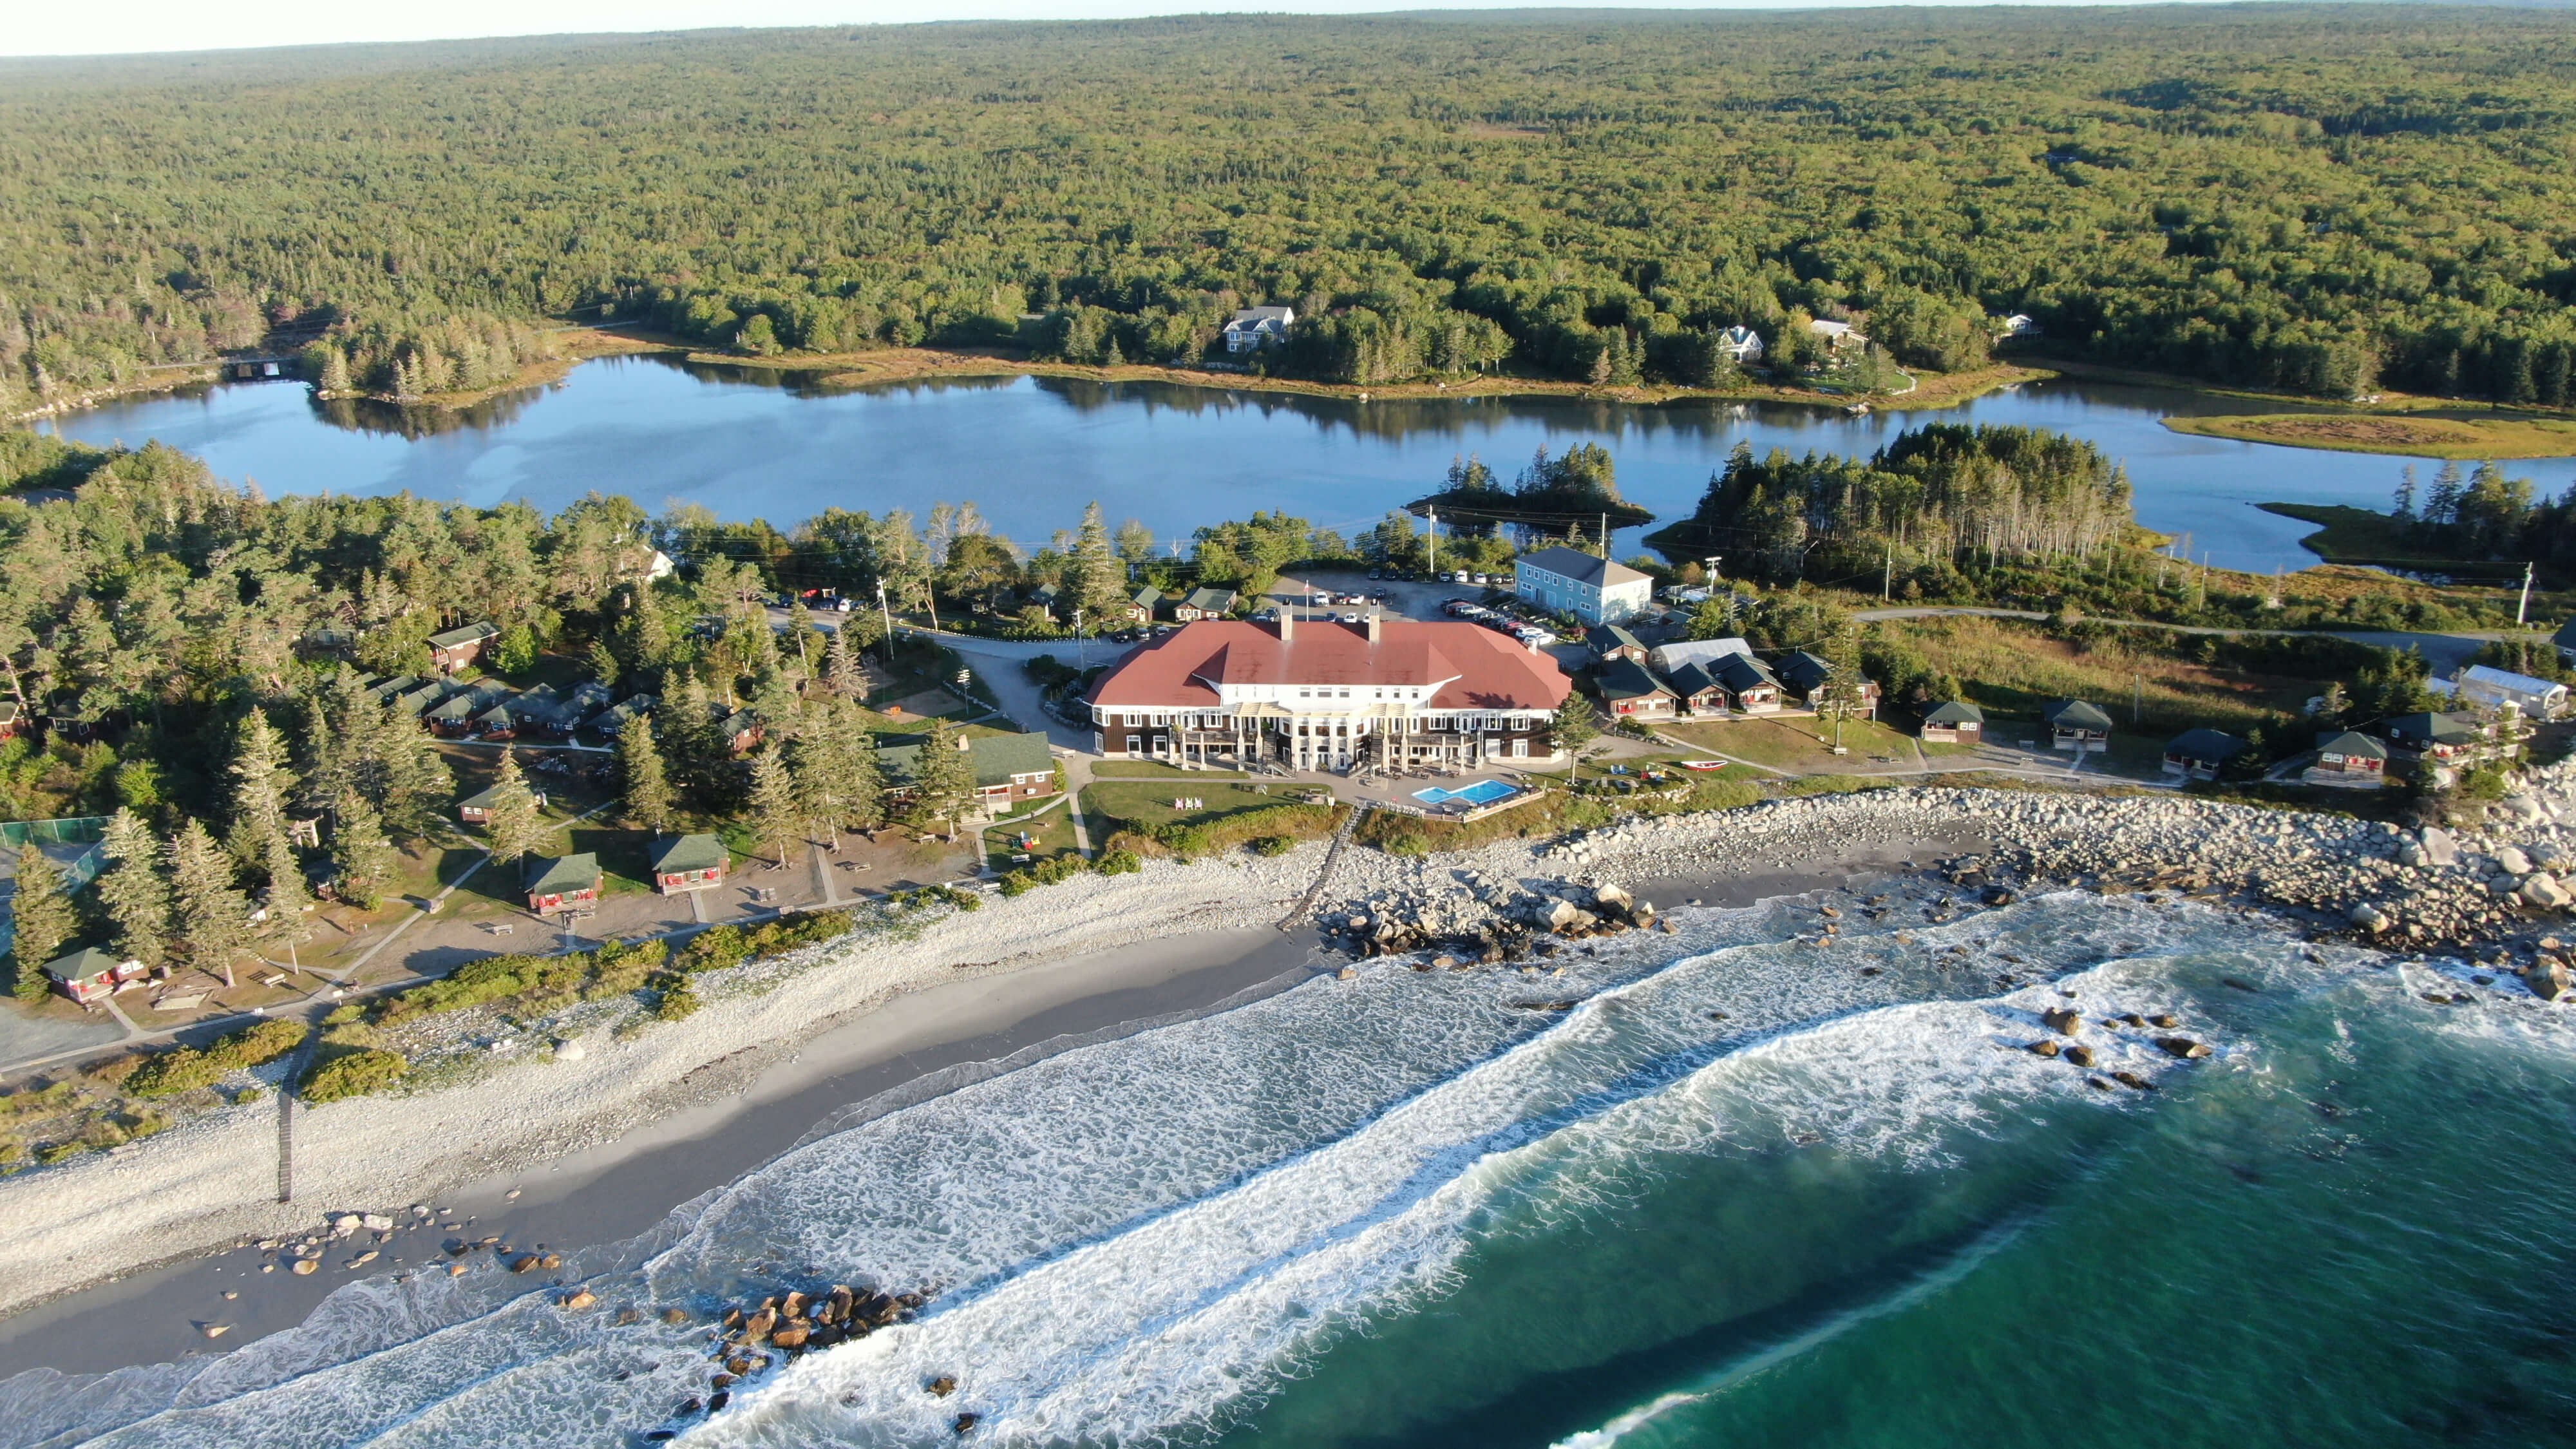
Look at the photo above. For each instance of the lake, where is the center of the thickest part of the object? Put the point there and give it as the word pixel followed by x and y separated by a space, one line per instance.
pixel 1031 451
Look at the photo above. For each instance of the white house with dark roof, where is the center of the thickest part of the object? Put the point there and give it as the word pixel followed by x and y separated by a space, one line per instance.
pixel 1254 328
pixel 1741 343
pixel 1592 589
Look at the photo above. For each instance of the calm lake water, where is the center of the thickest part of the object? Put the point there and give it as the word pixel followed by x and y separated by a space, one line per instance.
pixel 1032 451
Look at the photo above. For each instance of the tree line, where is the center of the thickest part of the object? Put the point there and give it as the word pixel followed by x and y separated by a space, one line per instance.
pixel 2321 199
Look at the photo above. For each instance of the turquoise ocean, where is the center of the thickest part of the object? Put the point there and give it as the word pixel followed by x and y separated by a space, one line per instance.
pixel 1747 1190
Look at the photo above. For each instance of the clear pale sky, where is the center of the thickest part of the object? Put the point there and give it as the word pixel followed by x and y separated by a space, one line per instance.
pixel 52 27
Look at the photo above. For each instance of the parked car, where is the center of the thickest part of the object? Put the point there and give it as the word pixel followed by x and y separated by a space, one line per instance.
pixel 1350 618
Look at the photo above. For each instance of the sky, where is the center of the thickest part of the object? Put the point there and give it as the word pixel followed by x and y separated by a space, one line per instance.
pixel 125 26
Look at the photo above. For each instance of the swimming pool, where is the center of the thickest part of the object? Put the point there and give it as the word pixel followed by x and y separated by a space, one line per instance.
pixel 1483 792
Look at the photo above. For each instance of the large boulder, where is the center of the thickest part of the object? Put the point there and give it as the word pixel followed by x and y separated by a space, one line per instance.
pixel 2512 861
pixel 2539 889
pixel 1608 898
pixel 2547 978
pixel 2063 1020
pixel 2439 847
pixel 2369 917
pixel 2183 1047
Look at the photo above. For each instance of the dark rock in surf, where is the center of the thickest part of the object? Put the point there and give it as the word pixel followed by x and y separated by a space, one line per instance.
pixel 2063 1020
pixel 942 1386
pixel 2045 1047
pixel 966 1424
pixel 2183 1047
pixel 2081 1056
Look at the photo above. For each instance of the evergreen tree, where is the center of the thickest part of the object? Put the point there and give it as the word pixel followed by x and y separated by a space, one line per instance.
pixel 44 920
pixel 776 810
pixel 261 785
pixel 289 897
pixel 603 662
pixel 648 790
pixel 943 778
pixel 835 767
pixel 2403 506
pixel 363 859
pixel 516 825
pixel 1097 580
pixel 214 916
pixel 842 670
pixel 135 892
pixel 692 751
pixel 1576 724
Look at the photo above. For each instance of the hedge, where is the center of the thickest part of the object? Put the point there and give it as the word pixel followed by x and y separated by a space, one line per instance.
pixel 188 1068
pixel 533 983
pixel 1204 837
pixel 352 1072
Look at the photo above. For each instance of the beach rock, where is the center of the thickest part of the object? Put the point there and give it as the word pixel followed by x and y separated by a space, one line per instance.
pixel 2081 1056
pixel 345 1224
pixel 1612 898
pixel 791 1336
pixel 2439 848
pixel 214 1330
pixel 2133 1081
pixel 718 1400
pixel 579 1298
pixel 942 1386
pixel 2548 980
pixel 757 1327
pixel 675 1316
pixel 305 1267
pixel 2164 1019
pixel 2538 889
pixel 570 1051
pixel 2063 1020
pixel 2183 1047
pixel 2512 861
pixel 376 1223
pixel 1347 973
pixel 455 1270
pixel 2369 917
pixel 2045 1047
pixel 526 1263
pixel 966 1424
pixel 792 1306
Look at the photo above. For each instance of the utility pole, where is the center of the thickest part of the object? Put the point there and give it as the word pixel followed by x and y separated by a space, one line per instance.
pixel 1433 516
pixel 1887 581
pixel 886 616
pixel 1605 535
pixel 2523 608
pixel 1078 659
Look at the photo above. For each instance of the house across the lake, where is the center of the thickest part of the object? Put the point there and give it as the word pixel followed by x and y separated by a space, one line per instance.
pixel 563 883
pixel 1957 722
pixel 1254 328
pixel 684 863
pixel 2077 725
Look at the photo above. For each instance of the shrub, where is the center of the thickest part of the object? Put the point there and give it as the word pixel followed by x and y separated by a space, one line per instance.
pixel 678 1000
pixel 352 1072
pixel 186 1068
pixel 1118 862
pixel 1046 872
pixel 715 948
pixel 1274 845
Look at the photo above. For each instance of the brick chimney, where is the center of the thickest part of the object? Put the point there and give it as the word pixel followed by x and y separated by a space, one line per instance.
pixel 1287 623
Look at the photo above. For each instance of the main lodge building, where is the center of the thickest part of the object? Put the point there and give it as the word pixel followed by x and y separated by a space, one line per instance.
pixel 1320 695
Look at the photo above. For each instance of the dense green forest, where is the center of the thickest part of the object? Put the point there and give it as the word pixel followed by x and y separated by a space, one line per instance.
pixel 2323 199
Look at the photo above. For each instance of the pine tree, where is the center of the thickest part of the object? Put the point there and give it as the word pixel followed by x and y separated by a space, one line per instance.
pixel 261 784
pixel 404 775
pixel 692 753
pixel 603 662
pixel 648 789
pixel 835 768
pixel 775 809
pixel 2403 506
pixel 135 892
pixel 515 826
pixel 44 920
pixel 1098 579
pixel 1576 724
pixel 214 916
pixel 943 778
pixel 289 897
pixel 362 859
pixel 842 670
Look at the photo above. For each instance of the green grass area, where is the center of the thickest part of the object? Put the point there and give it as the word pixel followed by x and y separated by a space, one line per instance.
pixel 1795 745
pixel 2348 535
pixel 1142 804
pixel 1156 770
pixel 1053 832
pixel 2013 671
pixel 2413 434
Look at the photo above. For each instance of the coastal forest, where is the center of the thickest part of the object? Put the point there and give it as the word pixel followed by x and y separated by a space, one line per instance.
pixel 2327 200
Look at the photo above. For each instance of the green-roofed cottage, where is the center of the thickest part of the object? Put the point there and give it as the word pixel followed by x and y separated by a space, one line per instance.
pixel 1008 768
pixel 2078 725
pixel 688 863
pixel 476 809
pixel 2199 754
pixel 454 649
pixel 1956 722
pixel 1204 603
pixel 563 883
pixel 89 974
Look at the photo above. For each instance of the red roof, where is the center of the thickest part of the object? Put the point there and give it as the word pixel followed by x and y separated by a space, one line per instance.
pixel 1484 670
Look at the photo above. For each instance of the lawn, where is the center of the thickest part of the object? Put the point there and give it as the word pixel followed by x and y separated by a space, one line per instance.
pixel 1795 746
pixel 1144 804
pixel 1156 770
pixel 1053 832
pixel 2013 672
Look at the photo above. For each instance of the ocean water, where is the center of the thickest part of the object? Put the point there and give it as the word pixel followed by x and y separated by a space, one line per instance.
pixel 1750 1190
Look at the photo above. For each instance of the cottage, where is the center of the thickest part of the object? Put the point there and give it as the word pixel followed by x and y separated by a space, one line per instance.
pixel 1750 685
pixel 392 686
pixel 1614 642
pixel 688 863
pixel 1698 691
pixel 2199 754
pixel 1569 581
pixel 1836 335
pixel 456 648
pixel 740 731
pixel 1045 597
pixel 1811 678
pixel 539 710
pixel 2019 324
pixel 2077 725
pixel 1008 768
pixel 614 719
pixel 1741 343
pixel 457 716
pixel 2350 761
pixel 1139 609
pixel 90 974
pixel 476 809
pixel 412 703
pixel 1957 722
pixel 1206 603
pixel 563 883
pixel 2456 738
pixel 2538 698
pixel 1254 328
pixel 13 719
pixel 1632 693
pixel 1668 659
pixel 496 723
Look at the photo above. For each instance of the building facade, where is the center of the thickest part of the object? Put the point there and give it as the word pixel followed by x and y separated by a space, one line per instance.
pixel 1570 581
pixel 1321 695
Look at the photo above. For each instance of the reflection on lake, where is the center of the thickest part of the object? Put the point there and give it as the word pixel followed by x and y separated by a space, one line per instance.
pixel 1031 451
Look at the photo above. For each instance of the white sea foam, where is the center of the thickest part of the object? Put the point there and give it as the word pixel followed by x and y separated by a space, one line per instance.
pixel 1140 1238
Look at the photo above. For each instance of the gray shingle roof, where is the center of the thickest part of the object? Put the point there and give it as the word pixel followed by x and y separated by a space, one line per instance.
pixel 1583 568
pixel 2076 714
